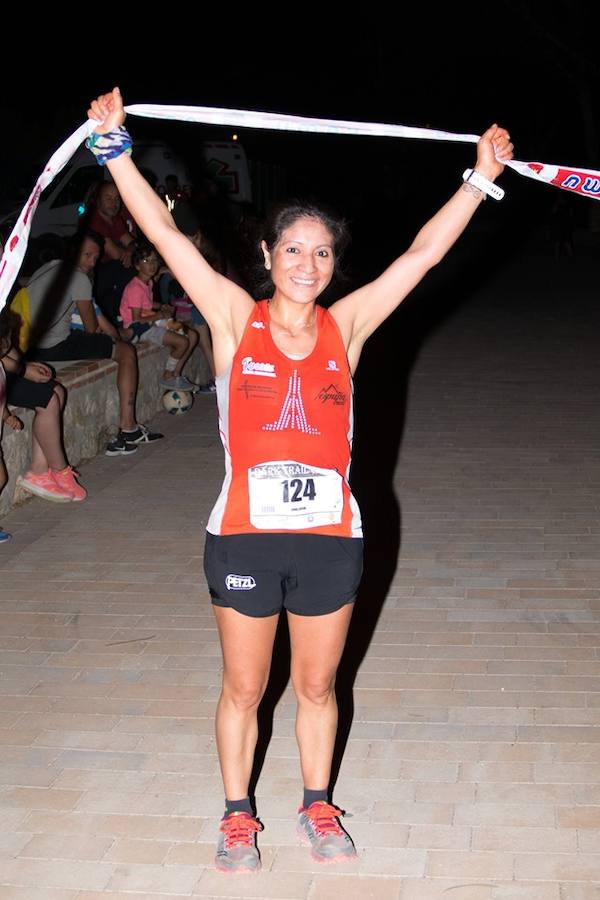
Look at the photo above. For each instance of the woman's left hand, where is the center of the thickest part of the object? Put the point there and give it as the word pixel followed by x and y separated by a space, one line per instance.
pixel 494 149
pixel 107 110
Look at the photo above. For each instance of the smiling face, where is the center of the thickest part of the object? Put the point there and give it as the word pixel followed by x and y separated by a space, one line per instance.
pixel 302 260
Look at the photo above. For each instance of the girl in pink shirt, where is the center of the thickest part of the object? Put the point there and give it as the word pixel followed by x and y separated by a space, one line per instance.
pixel 148 322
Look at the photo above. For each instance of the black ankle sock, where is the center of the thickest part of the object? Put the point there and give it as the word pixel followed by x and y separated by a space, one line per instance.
pixel 313 796
pixel 238 806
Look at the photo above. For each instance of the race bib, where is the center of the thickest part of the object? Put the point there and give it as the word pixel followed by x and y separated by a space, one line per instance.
pixel 288 494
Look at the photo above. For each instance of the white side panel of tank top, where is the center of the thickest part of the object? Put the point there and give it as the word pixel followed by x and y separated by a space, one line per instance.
pixel 356 524
pixel 222 383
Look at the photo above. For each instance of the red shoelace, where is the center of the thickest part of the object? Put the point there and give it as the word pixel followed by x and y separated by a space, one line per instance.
pixel 323 817
pixel 239 828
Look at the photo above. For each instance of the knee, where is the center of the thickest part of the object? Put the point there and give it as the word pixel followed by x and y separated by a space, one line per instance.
pixel 177 343
pixel 60 393
pixel 243 694
pixel 52 408
pixel 124 352
pixel 314 689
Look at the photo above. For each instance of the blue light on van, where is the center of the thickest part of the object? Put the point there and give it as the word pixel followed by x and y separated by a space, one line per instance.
pixel 81 209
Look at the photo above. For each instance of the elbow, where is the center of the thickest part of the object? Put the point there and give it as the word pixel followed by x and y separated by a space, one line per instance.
pixel 435 258
pixel 427 256
pixel 158 232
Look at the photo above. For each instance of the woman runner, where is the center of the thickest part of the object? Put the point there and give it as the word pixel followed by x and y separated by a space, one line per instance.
pixel 285 531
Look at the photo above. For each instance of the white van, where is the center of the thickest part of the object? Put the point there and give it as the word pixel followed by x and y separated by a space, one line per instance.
pixel 64 201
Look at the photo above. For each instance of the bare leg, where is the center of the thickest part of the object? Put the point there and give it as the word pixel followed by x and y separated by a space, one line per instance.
pixel 247 645
pixel 206 344
pixel 192 342
pixel 317 644
pixel 47 450
pixel 127 382
pixel 178 346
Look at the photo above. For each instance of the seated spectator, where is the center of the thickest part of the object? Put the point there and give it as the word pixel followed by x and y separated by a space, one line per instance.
pixel 109 219
pixel 31 385
pixel 54 291
pixel 4 348
pixel 149 322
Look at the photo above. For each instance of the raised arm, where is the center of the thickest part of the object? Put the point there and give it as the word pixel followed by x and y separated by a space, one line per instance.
pixel 224 305
pixel 360 313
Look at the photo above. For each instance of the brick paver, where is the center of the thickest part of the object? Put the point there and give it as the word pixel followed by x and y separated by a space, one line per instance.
pixel 472 765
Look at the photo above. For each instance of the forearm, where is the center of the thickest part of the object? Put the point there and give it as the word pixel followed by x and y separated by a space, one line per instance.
pixel 146 316
pixel 187 264
pixel 114 250
pixel 143 203
pixel 447 225
pixel 13 362
pixel 107 327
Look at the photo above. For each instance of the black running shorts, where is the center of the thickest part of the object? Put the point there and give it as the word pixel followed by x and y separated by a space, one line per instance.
pixel 261 574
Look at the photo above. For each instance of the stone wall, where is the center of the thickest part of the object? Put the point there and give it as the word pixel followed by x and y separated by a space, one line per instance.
pixel 92 412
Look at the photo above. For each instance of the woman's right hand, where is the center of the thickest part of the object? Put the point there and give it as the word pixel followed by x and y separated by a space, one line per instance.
pixel 107 110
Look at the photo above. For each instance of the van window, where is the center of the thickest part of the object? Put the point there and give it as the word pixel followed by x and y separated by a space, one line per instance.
pixel 78 185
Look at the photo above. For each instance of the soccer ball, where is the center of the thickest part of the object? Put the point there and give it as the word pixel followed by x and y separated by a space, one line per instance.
pixel 177 402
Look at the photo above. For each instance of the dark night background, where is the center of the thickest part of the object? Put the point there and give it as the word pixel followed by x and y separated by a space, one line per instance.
pixel 530 67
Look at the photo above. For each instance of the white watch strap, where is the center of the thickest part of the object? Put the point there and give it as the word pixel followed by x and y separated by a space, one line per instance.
pixel 484 184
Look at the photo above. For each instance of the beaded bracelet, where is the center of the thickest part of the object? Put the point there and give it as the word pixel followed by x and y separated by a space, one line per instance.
pixel 110 145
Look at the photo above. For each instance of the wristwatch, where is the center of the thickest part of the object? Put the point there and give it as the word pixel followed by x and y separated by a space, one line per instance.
pixel 484 184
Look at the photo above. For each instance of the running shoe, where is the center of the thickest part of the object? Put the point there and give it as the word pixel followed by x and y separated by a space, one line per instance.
pixel 319 826
pixel 65 479
pixel 141 435
pixel 178 383
pixel 209 388
pixel 237 850
pixel 120 446
pixel 44 486
pixel 4 536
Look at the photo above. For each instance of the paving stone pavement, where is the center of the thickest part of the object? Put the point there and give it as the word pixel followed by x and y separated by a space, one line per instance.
pixel 469 750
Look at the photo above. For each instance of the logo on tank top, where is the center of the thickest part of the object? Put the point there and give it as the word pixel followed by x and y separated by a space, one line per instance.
pixel 258 324
pixel 250 367
pixel 332 366
pixel 252 390
pixel 240 583
pixel 292 415
pixel 332 393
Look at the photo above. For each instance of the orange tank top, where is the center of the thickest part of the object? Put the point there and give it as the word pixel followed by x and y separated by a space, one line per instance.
pixel 286 427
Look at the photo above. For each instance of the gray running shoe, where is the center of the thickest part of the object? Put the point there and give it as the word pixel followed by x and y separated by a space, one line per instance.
pixel 237 850
pixel 319 826
pixel 178 383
